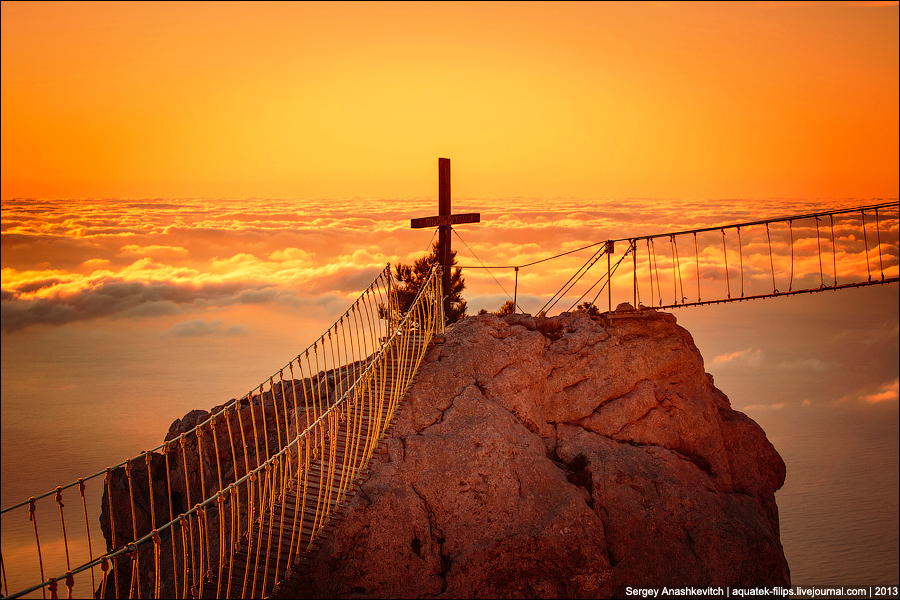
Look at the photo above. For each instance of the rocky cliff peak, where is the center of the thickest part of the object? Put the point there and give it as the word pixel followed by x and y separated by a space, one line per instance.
pixel 569 456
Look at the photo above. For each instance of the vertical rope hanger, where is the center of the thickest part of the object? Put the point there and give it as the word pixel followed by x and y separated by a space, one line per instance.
pixel 697 263
pixel 791 282
pixel 62 522
pixel 727 278
pixel 878 231
pixel 741 259
pixel 771 262
pixel 834 251
pixel 866 239
pixel 819 246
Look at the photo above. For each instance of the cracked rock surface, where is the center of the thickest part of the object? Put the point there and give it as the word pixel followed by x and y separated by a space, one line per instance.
pixel 563 457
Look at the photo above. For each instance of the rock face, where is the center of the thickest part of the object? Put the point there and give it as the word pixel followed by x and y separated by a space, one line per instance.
pixel 560 457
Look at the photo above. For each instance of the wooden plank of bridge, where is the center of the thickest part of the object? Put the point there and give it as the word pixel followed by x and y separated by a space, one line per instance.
pixel 275 530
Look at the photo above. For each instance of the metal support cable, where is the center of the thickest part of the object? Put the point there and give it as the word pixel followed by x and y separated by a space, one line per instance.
pixel 486 268
pixel 608 280
pixel 536 262
pixel 582 270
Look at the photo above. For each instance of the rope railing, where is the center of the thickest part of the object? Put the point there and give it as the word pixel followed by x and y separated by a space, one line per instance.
pixel 228 506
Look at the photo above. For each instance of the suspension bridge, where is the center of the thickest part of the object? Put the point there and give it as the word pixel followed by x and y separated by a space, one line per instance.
pixel 231 504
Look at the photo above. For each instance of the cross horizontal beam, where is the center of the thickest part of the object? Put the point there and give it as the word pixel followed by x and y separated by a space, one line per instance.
pixel 440 220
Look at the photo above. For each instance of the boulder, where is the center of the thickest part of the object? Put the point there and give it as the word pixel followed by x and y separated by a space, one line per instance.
pixel 569 456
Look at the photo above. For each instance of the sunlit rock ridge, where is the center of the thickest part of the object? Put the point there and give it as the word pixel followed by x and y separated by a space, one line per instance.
pixel 571 456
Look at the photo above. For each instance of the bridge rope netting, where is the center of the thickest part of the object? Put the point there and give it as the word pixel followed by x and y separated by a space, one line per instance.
pixel 236 498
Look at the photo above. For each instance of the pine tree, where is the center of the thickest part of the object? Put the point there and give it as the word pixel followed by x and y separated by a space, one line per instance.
pixel 410 279
pixel 507 309
pixel 590 308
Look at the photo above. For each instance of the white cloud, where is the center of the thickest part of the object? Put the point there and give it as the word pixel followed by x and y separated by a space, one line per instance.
pixel 887 392
pixel 751 356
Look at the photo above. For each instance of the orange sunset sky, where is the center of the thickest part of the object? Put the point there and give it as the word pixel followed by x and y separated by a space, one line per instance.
pixel 651 99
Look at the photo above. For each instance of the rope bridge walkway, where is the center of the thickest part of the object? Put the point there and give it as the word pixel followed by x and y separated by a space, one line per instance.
pixel 782 256
pixel 229 506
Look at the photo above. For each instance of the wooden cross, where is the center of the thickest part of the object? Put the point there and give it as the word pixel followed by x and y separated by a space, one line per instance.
pixel 443 221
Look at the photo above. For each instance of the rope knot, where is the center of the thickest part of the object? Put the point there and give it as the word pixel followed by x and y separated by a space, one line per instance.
pixel 59 497
pixel 53 585
pixel 70 581
pixel 31 502
pixel 155 536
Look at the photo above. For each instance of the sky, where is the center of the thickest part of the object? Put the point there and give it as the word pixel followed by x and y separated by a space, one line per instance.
pixel 193 192
pixel 302 100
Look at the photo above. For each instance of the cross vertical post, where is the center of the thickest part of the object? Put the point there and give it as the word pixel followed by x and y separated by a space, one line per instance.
pixel 443 222
pixel 444 228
